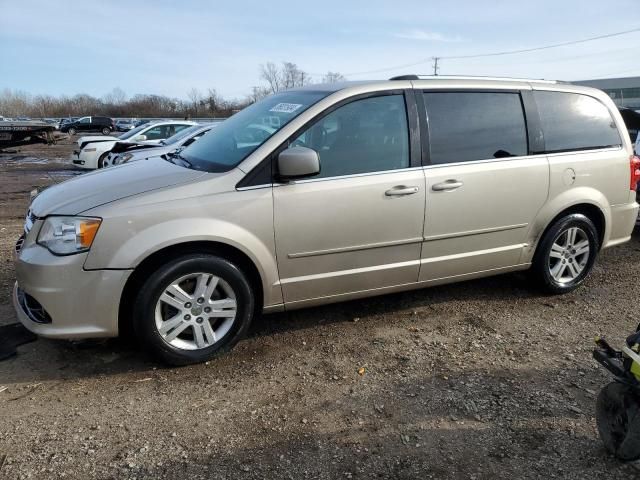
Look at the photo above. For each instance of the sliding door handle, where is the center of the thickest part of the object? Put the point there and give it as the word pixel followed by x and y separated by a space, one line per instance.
pixel 401 190
pixel 446 186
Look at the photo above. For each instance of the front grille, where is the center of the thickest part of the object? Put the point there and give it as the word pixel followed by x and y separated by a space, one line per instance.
pixel 19 244
pixel 32 308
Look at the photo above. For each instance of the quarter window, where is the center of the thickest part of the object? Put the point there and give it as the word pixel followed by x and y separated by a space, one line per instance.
pixel 368 135
pixel 467 126
pixel 571 121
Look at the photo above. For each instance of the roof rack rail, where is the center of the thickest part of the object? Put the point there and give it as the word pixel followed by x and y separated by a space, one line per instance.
pixel 468 77
pixel 405 77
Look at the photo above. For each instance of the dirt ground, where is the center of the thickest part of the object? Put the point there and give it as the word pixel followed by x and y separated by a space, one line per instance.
pixel 479 380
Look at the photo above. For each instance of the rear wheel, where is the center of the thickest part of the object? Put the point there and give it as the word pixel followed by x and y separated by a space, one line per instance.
pixel 618 420
pixel 106 131
pixel 193 308
pixel 566 254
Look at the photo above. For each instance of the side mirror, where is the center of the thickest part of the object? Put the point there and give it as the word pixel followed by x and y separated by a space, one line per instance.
pixel 140 138
pixel 298 162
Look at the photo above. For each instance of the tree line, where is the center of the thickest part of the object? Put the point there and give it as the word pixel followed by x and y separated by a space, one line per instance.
pixel 116 103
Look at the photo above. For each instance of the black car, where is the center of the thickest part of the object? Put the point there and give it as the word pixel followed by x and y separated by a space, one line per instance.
pixel 90 124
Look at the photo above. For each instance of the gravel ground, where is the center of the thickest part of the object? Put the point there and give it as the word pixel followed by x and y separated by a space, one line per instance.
pixel 479 380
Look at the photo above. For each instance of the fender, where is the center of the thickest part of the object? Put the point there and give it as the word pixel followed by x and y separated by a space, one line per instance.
pixel 134 249
pixel 561 202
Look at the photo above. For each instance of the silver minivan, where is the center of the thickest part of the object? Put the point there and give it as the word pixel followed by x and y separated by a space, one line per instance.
pixel 328 193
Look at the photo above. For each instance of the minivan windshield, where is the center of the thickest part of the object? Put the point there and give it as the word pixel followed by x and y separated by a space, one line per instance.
pixel 233 140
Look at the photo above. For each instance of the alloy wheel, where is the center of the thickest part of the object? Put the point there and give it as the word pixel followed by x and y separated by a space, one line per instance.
pixel 195 311
pixel 569 255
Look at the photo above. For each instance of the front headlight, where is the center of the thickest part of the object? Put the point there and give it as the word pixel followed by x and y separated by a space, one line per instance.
pixel 68 235
pixel 125 158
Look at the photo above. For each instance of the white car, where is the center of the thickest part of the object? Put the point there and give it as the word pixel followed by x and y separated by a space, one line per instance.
pixel 94 149
pixel 131 152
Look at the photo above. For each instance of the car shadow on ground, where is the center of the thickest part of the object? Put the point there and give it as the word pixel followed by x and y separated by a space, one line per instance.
pixel 79 359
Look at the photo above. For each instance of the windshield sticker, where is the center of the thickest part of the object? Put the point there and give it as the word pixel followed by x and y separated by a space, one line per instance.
pixel 286 107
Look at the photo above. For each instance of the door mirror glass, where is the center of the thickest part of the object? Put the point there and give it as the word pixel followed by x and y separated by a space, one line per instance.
pixel 298 162
pixel 140 138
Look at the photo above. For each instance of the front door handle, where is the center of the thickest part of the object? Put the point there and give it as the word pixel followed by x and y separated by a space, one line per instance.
pixel 401 190
pixel 446 186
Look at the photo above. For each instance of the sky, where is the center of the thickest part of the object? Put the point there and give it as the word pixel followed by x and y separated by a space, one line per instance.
pixel 168 47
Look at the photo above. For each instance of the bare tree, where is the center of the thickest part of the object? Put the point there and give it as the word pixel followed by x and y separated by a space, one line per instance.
pixel 116 96
pixel 283 78
pixel 258 93
pixel 333 77
pixel 214 101
pixel 270 74
pixel 196 98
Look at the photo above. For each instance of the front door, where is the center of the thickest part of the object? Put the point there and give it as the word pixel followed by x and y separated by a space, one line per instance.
pixel 84 124
pixel 483 188
pixel 358 224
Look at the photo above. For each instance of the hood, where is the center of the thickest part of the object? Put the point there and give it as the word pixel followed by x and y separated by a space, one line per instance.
pixel 96 138
pixel 120 147
pixel 104 186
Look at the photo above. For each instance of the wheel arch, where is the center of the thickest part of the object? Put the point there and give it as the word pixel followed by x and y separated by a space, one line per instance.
pixel 592 211
pixel 157 258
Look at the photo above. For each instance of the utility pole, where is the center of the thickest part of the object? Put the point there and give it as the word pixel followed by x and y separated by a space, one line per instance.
pixel 435 65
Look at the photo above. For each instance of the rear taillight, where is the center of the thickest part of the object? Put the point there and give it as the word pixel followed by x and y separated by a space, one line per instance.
pixel 634 164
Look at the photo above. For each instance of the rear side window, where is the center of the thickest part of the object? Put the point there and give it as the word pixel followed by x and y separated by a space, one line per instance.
pixel 571 121
pixel 468 126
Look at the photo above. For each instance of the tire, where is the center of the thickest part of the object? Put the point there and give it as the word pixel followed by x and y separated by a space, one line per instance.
pixel 618 420
pixel 106 131
pixel 558 266
pixel 72 131
pixel 174 326
pixel 101 160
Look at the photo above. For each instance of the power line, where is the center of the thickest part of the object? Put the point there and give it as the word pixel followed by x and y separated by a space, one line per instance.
pixel 494 54
pixel 563 44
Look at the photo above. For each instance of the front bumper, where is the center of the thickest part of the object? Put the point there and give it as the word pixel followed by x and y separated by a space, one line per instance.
pixel 83 159
pixel 77 303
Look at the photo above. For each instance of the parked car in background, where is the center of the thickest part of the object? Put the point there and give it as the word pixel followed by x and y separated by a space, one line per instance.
pixel 52 121
pixel 105 125
pixel 124 152
pixel 141 122
pixel 64 121
pixel 124 125
pixel 93 150
pixel 331 206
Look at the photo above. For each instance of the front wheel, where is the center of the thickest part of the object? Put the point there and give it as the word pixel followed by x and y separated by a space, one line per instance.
pixel 106 131
pixel 566 254
pixel 193 308
pixel 72 131
pixel 103 161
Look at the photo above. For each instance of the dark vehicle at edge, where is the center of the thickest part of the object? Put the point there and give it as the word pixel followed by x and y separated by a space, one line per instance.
pixel 105 125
